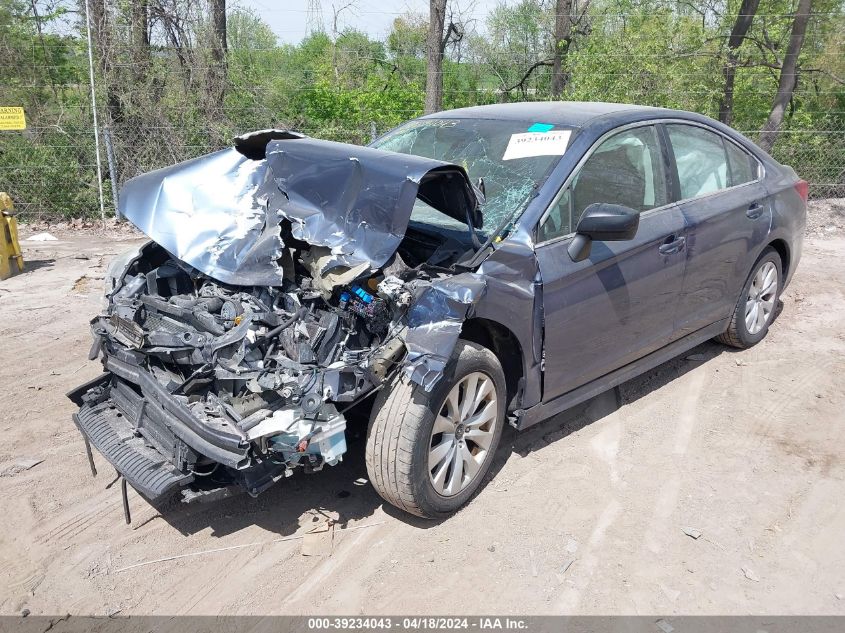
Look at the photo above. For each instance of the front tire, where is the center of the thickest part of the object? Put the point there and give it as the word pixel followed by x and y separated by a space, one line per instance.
pixel 757 304
pixel 427 453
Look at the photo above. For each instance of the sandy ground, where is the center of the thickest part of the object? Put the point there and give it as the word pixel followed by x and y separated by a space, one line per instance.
pixel 584 513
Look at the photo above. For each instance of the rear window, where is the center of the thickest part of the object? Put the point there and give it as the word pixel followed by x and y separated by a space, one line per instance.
pixel 743 166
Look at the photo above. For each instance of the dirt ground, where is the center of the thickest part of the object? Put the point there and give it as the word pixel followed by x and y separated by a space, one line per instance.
pixel 585 513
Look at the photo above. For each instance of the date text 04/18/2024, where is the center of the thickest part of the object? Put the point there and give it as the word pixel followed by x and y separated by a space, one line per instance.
pixel 417 623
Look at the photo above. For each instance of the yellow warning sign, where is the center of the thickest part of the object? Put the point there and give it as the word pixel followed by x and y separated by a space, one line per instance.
pixel 12 118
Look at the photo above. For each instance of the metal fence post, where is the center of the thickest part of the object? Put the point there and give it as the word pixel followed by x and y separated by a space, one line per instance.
pixel 112 168
pixel 94 110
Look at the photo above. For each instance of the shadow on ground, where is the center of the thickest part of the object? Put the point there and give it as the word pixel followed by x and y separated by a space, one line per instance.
pixel 30 265
pixel 341 492
pixel 344 490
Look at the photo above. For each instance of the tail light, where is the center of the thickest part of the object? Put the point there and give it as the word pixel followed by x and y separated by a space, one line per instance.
pixel 803 189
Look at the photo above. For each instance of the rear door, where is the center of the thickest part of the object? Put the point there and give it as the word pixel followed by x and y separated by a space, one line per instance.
pixel 727 213
pixel 619 303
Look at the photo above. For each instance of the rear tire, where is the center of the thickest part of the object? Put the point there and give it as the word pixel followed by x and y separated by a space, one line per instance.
pixel 757 303
pixel 419 463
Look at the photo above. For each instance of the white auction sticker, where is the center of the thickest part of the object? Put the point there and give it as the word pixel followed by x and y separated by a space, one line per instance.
pixel 528 144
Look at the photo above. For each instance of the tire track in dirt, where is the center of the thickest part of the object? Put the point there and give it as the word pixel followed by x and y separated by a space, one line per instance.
pixel 79 523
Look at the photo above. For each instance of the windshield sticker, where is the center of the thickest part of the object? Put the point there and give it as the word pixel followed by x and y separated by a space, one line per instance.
pixel 530 144
pixel 540 127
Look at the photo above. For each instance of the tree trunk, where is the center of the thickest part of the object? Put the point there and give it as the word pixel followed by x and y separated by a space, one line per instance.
pixel 563 30
pixel 217 75
pixel 434 46
pixel 788 76
pixel 103 51
pixel 139 19
pixel 218 22
pixel 740 29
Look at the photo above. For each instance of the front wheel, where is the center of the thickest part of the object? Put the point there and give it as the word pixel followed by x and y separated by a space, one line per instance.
pixel 427 453
pixel 758 301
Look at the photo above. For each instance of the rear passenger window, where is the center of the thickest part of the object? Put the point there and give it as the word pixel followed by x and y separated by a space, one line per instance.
pixel 701 159
pixel 742 165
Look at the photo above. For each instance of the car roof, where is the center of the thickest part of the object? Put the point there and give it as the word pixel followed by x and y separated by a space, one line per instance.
pixel 565 113
pixel 597 117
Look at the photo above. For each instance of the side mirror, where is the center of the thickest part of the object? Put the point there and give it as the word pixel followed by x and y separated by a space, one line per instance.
pixel 604 223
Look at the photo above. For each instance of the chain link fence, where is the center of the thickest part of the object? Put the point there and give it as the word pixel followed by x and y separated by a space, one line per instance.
pixel 53 175
pixel 50 169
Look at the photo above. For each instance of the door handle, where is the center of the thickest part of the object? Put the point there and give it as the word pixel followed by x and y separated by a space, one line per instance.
pixel 755 211
pixel 672 245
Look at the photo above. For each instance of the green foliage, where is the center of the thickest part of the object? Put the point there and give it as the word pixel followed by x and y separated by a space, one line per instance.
pixel 45 74
pixel 516 38
pixel 408 37
pixel 159 109
pixel 651 56
pixel 245 30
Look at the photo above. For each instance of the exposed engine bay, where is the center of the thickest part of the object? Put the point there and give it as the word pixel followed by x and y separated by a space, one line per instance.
pixel 213 383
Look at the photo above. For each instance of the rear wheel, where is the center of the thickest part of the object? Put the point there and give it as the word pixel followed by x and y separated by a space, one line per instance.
pixel 427 453
pixel 758 301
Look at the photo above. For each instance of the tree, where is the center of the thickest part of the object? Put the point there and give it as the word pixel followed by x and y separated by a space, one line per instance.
pixel 218 20
pixel 246 31
pixel 175 26
pixel 217 74
pixel 788 76
pixel 349 5
pixel 139 20
pixel 162 90
pixel 740 29
pixel 439 37
pixel 434 57
pixel 563 29
pixel 516 46
pixel 101 30
pixel 407 38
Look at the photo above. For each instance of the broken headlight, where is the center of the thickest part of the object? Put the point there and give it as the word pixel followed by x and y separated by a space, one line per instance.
pixel 115 272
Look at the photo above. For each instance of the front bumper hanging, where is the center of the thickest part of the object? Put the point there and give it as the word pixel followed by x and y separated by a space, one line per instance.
pixel 109 424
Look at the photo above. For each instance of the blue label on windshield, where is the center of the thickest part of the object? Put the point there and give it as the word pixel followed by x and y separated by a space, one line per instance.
pixel 540 127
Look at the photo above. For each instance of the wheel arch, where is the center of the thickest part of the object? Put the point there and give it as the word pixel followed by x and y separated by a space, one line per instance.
pixel 500 340
pixel 782 249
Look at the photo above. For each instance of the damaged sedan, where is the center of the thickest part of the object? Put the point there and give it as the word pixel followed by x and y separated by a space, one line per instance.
pixel 472 268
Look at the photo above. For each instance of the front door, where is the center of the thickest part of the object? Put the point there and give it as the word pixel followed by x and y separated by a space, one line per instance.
pixel 618 304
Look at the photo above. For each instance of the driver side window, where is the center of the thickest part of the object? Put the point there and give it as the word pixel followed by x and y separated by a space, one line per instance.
pixel 625 169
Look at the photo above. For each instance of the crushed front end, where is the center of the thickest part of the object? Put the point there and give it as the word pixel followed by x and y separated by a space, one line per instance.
pixel 212 383
pixel 235 344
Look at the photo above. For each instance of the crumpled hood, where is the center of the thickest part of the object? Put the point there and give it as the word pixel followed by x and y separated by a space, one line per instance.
pixel 222 213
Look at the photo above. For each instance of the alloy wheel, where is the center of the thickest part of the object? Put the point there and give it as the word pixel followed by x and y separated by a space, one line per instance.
pixel 761 298
pixel 462 434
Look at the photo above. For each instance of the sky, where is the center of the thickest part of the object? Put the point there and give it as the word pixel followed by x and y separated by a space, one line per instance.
pixel 287 18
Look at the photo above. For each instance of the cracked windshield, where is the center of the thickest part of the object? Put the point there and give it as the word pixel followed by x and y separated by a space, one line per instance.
pixel 478 146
